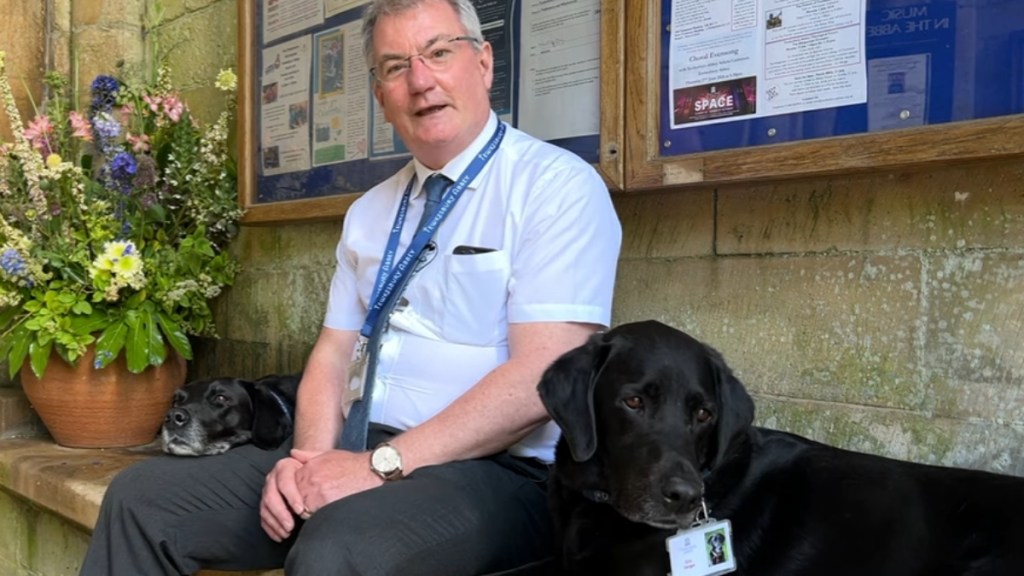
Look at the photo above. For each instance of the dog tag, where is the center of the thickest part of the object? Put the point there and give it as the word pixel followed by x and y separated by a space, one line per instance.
pixel 356 375
pixel 702 550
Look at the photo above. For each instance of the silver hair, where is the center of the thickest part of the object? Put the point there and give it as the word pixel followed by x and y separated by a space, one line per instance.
pixel 377 8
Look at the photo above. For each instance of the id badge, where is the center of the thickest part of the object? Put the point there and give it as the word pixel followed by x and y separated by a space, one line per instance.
pixel 356 374
pixel 702 550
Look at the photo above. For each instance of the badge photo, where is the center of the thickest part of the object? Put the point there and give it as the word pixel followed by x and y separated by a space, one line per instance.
pixel 703 550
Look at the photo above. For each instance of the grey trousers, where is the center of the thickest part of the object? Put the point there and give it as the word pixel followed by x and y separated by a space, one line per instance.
pixel 174 516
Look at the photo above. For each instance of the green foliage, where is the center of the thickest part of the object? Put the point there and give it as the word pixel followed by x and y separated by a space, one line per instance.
pixel 114 225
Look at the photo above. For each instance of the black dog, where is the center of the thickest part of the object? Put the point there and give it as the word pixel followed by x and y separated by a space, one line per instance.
pixel 654 423
pixel 212 416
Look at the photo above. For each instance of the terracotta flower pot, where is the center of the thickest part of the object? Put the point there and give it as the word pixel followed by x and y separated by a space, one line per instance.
pixel 107 408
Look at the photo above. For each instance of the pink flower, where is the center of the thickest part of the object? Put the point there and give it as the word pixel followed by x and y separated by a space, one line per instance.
pixel 154 102
pixel 173 107
pixel 80 127
pixel 37 132
pixel 126 114
pixel 139 143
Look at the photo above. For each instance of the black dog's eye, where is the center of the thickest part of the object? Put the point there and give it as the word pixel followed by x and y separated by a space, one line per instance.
pixel 634 403
pixel 702 416
pixel 220 400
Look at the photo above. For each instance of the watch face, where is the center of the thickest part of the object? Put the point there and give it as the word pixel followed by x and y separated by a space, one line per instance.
pixel 385 459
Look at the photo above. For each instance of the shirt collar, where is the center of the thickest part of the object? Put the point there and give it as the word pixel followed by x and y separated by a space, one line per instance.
pixel 456 166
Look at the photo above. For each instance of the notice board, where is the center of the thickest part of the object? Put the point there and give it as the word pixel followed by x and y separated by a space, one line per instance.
pixel 312 136
pixel 745 89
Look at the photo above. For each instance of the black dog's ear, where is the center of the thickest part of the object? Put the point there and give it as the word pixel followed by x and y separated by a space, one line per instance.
pixel 567 392
pixel 736 408
pixel 273 411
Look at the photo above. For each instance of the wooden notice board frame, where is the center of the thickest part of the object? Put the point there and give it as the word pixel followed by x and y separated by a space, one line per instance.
pixel 645 167
pixel 610 159
pixel 313 209
pixel 611 164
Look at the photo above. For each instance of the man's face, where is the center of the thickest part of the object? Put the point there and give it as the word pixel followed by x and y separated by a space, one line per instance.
pixel 436 112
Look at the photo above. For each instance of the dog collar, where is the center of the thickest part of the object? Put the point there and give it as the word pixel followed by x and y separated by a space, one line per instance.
pixel 596 496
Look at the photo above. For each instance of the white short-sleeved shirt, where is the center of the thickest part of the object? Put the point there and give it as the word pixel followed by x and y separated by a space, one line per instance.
pixel 548 240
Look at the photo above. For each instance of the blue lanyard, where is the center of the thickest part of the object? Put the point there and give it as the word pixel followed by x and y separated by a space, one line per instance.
pixel 390 275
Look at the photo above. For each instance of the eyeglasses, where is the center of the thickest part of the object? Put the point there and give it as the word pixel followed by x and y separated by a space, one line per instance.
pixel 437 56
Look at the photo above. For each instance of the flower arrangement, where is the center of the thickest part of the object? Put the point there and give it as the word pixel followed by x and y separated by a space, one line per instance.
pixel 114 224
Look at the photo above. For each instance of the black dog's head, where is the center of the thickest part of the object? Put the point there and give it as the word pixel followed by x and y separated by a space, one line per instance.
pixel 212 416
pixel 645 410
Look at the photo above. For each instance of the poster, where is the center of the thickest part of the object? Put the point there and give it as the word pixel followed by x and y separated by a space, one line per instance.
pixel 740 59
pixel 284 107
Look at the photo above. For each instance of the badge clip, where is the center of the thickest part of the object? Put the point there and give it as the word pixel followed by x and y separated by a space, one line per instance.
pixel 356 375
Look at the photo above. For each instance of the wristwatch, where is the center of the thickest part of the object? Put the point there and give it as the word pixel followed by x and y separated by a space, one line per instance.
pixel 386 462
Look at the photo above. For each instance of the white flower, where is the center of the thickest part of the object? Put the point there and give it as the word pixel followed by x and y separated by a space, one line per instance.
pixel 226 80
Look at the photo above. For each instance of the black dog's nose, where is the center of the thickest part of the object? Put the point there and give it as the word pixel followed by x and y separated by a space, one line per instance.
pixel 176 417
pixel 680 494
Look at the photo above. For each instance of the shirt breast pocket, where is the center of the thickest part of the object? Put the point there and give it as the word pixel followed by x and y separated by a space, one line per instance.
pixel 475 299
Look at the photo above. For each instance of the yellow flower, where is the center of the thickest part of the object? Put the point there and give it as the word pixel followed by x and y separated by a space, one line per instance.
pixel 53 160
pixel 226 80
pixel 103 262
pixel 127 265
pixel 117 249
pixel 114 255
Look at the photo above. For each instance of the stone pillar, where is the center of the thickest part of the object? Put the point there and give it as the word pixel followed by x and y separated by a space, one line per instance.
pixel 102 37
pixel 22 37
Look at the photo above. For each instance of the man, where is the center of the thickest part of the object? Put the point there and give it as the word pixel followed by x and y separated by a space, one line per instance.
pixel 519 269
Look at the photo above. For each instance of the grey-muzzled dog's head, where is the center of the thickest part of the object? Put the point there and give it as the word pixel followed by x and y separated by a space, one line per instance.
pixel 210 417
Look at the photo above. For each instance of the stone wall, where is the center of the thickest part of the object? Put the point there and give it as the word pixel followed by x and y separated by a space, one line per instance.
pixel 84 38
pixel 198 39
pixel 270 318
pixel 882 312
pixel 22 38
pixel 35 542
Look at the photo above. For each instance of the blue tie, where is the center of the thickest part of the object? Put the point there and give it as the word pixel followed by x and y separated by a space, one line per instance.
pixel 434 186
pixel 357 423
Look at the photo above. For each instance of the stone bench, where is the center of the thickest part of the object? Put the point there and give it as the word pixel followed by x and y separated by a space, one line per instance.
pixel 50 502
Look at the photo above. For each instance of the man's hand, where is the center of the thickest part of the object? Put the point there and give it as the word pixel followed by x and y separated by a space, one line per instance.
pixel 282 500
pixel 332 475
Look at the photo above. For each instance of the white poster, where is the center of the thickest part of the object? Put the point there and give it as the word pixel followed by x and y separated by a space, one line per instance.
pixel 332 7
pixel 739 59
pixel 283 17
pixel 341 96
pixel 899 92
pixel 559 88
pixel 284 107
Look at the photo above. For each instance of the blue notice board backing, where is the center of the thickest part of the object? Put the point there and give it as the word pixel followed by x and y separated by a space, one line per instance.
pixel 964 57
